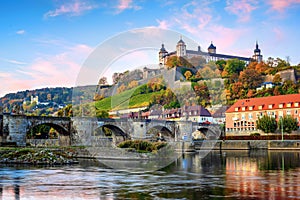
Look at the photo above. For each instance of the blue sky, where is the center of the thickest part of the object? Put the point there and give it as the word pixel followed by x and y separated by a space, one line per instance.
pixel 44 43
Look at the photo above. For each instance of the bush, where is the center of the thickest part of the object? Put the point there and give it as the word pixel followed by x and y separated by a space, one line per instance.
pixel 267 124
pixel 142 146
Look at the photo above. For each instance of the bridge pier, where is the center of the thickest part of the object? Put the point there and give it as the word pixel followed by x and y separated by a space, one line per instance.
pixel 14 129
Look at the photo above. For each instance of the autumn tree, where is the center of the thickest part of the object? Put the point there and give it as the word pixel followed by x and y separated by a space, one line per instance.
pixel 102 81
pixel 277 79
pixel 133 84
pixel 121 88
pixel 250 78
pixel 188 74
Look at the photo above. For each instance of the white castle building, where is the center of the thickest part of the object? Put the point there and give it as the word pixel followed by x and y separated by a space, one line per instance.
pixel 210 55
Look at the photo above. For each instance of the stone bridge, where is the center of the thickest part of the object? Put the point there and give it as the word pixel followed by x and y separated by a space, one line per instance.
pixel 84 131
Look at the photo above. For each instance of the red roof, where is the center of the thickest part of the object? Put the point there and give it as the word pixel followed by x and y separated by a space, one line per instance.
pixel 245 105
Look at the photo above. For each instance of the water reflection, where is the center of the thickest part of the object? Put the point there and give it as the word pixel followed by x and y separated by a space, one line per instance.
pixel 220 175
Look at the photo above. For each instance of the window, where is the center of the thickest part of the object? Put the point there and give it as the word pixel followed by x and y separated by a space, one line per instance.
pixel 270 106
pixel 280 113
pixel 296 104
pixel 250 107
pixel 260 107
pixel 288 112
pixel 236 109
pixel 281 105
pixel 243 116
pixel 243 108
pixel 288 105
pixel 296 112
pixel 250 116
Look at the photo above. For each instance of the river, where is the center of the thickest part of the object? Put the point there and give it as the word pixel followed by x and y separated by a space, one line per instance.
pixel 220 175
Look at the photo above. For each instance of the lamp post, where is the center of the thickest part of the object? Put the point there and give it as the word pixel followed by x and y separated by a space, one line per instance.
pixel 281 128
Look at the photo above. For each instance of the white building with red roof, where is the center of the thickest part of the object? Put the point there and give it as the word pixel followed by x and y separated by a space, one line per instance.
pixel 241 117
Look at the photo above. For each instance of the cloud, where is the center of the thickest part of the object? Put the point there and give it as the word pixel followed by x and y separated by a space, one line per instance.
pixel 163 24
pixel 47 71
pixel 241 8
pixel 20 32
pixel 125 5
pixel 11 61
pixel 200 21
pixel 282 5
pixel 74 8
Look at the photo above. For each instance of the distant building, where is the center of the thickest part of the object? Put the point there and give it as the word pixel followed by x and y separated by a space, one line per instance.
pixel 196 114
pixel 242 116
pixel 219 116
pixel 34 99
pixel 265 85
pixel 210 55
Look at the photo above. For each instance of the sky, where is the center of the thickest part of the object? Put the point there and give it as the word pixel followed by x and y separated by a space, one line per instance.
pixel 45 43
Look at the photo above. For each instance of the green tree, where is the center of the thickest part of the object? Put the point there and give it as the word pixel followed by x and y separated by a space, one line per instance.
pixel 288 124
pixel 234 66
pixel 102 114
pixel 267 124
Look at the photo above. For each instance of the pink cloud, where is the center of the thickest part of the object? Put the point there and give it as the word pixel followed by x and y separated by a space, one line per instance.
pixel 163 24
pixel 74 8
pixel 48 71
pixel 241 8
pixel 282 5
pixel 126 4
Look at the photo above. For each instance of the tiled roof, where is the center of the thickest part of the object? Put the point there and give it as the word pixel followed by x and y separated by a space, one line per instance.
pixel 201 111
pixel 263 103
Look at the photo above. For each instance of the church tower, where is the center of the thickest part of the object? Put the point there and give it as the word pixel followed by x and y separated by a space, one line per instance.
pixel 162 54
pixel 257 54
pixel 180 48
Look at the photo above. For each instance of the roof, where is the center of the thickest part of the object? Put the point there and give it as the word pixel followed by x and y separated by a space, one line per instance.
pixel 201 111
pixel 211 46
pixel 264 103
pixel 220 112
pixel 180 41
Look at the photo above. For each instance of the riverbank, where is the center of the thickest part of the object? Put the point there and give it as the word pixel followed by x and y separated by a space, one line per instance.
pixel 38 156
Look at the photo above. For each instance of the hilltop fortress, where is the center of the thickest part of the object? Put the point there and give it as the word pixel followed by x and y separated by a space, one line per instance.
pixel 210 55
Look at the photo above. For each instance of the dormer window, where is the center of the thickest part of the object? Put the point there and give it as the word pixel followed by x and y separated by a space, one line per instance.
pixel 250 107
pixel 288 105
pixel 260 107
pixel 236 109
pixel 296 104
pixel 281 105
pixel 243 108
pixel 270 106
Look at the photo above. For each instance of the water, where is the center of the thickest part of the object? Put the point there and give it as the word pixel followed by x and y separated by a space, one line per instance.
pixel 220 175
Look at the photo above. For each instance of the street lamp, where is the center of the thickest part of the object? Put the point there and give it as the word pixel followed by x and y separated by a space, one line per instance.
pixel 281 128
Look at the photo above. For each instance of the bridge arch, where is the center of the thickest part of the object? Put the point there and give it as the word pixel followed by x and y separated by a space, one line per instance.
pixel 44 136
pixel 210 132
pixel 112 131
pixel 161 130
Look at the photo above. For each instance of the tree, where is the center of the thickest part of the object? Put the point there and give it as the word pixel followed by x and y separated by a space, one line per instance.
pixel 102 114
pixel 250 78
pixel 277 79
pixel 102 81
pixel 234 66
pixel 288 124
pixel 122 88
pixel 267 124
pixel 188 74
pixel 133 84
pixel 221 64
